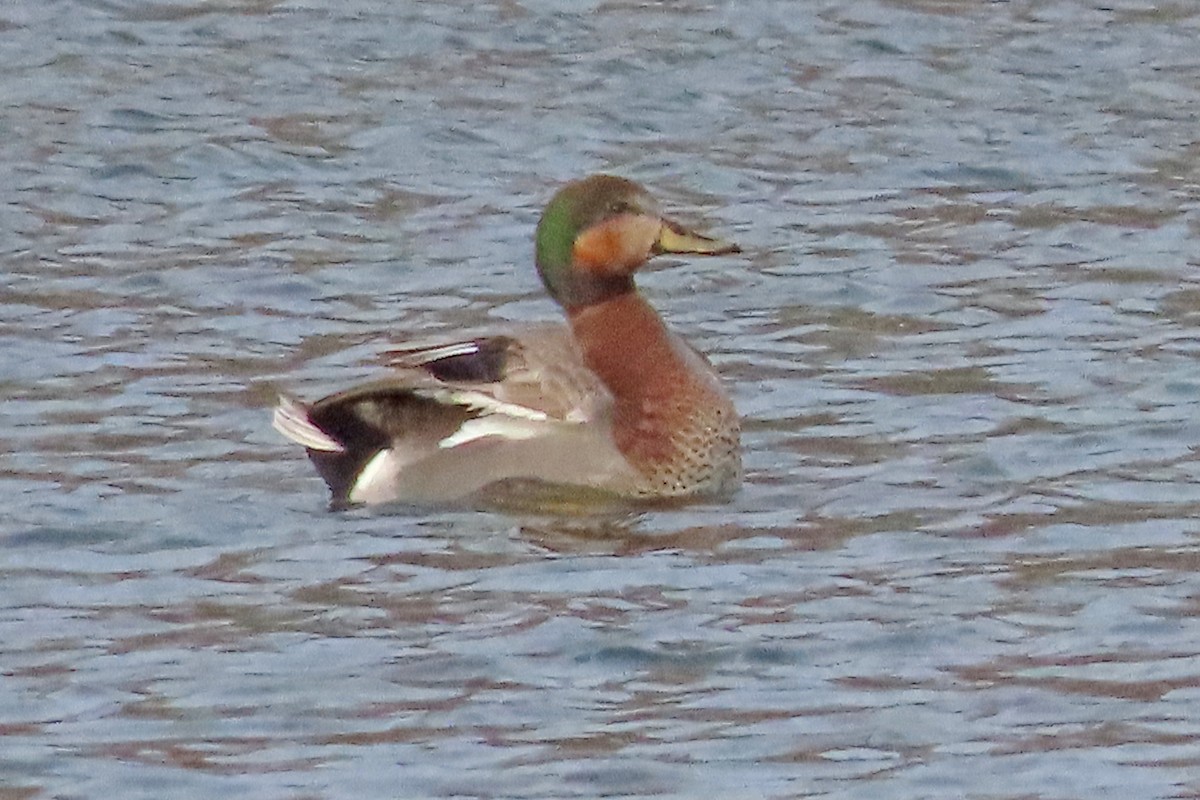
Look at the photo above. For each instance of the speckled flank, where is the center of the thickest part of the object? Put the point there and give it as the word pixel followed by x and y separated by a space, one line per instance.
pixel 706 457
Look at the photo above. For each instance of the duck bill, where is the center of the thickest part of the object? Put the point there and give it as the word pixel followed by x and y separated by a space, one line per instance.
pixel 674 238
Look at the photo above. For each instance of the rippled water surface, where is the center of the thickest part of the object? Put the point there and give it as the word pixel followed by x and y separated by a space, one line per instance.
pixel 962 336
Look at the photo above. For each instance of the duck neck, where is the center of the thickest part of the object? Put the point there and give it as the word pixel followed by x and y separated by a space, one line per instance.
pixel 652 376
pixel 627 345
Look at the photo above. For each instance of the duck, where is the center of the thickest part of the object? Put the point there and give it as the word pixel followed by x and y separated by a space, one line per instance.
pixel 612 404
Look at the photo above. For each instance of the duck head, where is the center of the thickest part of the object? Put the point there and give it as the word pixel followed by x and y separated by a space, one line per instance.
pixel 596 232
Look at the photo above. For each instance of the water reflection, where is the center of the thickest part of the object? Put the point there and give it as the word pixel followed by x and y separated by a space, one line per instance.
pixel 962 338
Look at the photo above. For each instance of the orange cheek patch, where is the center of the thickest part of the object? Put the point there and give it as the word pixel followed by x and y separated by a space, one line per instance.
pixel 616 246
pixel 598 248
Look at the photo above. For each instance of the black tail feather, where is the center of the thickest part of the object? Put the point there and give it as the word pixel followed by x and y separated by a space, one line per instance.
pixel 371 418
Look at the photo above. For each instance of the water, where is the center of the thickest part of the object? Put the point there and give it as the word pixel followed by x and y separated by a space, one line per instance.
pixel 963 337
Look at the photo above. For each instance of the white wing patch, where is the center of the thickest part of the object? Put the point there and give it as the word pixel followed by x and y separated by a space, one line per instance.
pixel 291 419
pixel 425 355
pixel 492 425
pixel 484 402
pixel 504 420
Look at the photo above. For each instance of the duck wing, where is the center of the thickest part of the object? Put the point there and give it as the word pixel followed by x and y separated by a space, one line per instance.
pixel 458 416
pixel 542 371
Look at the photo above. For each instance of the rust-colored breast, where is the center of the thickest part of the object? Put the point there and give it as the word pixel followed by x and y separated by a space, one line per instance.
pixel 672 419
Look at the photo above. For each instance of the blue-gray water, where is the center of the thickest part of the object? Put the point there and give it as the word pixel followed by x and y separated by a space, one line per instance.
pixel 963 337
